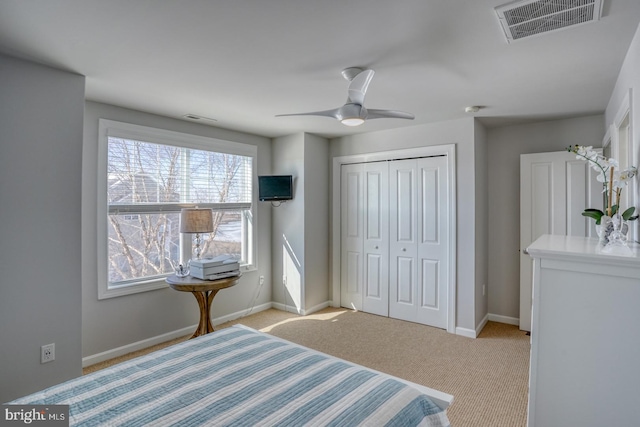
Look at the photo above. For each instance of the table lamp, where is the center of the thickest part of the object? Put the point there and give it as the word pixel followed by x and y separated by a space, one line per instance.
pixel 194 220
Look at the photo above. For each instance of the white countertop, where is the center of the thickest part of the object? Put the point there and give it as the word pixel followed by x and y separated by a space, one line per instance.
pixel 580 248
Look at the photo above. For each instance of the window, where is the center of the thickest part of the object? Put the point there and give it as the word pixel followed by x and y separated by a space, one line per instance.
pixel 146 177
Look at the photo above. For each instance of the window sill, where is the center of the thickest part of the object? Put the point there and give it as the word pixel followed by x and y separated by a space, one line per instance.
pixel 248 268
pixel 106 292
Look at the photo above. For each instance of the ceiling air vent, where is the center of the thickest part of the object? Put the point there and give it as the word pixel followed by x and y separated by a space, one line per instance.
pixel 527 18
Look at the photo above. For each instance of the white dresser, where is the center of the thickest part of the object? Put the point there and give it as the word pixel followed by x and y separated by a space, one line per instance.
pixel 585 337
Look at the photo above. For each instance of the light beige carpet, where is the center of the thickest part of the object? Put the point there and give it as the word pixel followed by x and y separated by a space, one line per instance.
pixel 488 376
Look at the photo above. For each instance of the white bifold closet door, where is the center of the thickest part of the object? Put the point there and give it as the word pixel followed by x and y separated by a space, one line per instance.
pixel 394 239
pixel 365 237
pixel 418 244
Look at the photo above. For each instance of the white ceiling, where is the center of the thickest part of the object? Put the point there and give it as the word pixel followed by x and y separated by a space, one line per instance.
pixel 242 62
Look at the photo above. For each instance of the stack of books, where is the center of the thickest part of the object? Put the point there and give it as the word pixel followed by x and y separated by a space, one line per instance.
pixel 219 267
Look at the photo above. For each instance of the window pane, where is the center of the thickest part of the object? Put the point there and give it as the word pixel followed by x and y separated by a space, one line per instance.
pixel 142 245
pixel 218 177
pixel 226 239
pixel 162 177
pixel 142 172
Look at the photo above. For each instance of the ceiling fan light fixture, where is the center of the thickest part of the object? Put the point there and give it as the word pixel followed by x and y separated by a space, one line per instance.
pixel 352 121
pixel 353 112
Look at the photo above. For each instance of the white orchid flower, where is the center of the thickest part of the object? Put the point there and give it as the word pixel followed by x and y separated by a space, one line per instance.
pixel 612 163
pixel 621 179
pixel 610 178
pixel 630 172
pixel 582 150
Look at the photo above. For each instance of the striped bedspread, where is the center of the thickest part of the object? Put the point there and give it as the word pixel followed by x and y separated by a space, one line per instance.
pixel 240 377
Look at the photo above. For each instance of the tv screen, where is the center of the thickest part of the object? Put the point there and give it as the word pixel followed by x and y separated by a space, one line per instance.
pixel 275 187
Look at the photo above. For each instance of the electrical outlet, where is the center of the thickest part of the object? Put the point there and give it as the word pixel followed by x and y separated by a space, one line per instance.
pixel 48 353
pixel 262 280
pixel 484 290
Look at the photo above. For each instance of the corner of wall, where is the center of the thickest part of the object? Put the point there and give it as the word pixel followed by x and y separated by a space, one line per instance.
pixel 316 222
pixel 481 223
pixel 288 232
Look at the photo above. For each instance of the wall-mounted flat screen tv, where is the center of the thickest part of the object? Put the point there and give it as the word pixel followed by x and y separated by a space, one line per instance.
pixel 275 187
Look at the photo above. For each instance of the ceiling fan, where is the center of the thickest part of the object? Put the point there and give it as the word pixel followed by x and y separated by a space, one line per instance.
pixel 353 112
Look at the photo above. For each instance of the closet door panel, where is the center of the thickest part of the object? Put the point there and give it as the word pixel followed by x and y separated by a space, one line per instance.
pixel 432 247
pixel 404 281
pixel 429 284
pixel 403 238
pixel 376 238
pixel 404 201
pixel 429 205
pixel 351 235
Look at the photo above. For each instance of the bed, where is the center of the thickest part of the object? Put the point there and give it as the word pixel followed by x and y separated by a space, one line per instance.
pixel 238 376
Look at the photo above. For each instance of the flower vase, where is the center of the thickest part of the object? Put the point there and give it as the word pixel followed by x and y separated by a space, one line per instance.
pixel 607 226
pixel 614 236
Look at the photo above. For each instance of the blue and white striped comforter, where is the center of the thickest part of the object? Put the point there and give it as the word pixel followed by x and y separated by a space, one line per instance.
pixel 240 377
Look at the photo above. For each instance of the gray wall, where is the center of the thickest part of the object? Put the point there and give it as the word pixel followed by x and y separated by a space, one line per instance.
pixel 40 173
pixel 316 219
pixel 462 133
pixel 505 145
pixel 115 322
pixel 629 78
pixel 482 223
pixel 288 226
pixel 300 237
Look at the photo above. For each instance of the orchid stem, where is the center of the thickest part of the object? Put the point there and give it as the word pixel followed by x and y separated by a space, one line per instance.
pixel 609 207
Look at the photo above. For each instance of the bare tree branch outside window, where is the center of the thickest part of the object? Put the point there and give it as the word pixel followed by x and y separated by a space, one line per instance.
pixel 144 243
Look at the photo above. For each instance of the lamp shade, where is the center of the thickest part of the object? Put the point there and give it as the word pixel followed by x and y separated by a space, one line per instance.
pixel 194 220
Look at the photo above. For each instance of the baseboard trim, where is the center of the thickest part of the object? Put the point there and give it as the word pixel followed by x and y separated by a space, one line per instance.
pixel 482 324
pixel 471 333
pixel 288 308
pixel 243 313
pixel 504 319
pixel 317 308
pixel 300 311
pixel 126 349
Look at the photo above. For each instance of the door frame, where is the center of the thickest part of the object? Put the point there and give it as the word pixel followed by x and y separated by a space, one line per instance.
pixel 560 191
pixel 448 150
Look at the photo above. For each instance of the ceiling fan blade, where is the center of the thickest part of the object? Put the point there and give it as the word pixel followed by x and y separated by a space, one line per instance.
pixel 326 113
pixel 388 114
pixel 358 87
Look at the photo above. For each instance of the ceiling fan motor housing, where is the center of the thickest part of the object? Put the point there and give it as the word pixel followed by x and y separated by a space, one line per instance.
pixel 351 111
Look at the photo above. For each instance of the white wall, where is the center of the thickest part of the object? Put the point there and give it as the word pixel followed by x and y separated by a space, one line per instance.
pixel 40 174
pixel 505 145
pixel 462 133
pixel 300 238
pixel 120 321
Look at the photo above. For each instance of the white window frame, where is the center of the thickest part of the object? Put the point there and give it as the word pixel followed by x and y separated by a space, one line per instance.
pixel 110 128
pixel 620 134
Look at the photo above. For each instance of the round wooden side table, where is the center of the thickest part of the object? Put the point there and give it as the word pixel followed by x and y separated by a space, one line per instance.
pixel 204 291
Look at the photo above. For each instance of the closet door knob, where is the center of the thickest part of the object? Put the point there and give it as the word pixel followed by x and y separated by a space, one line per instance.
pixel 376 247
pixel 404 249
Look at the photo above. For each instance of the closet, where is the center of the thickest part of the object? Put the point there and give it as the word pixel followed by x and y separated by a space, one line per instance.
pixel 394 238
